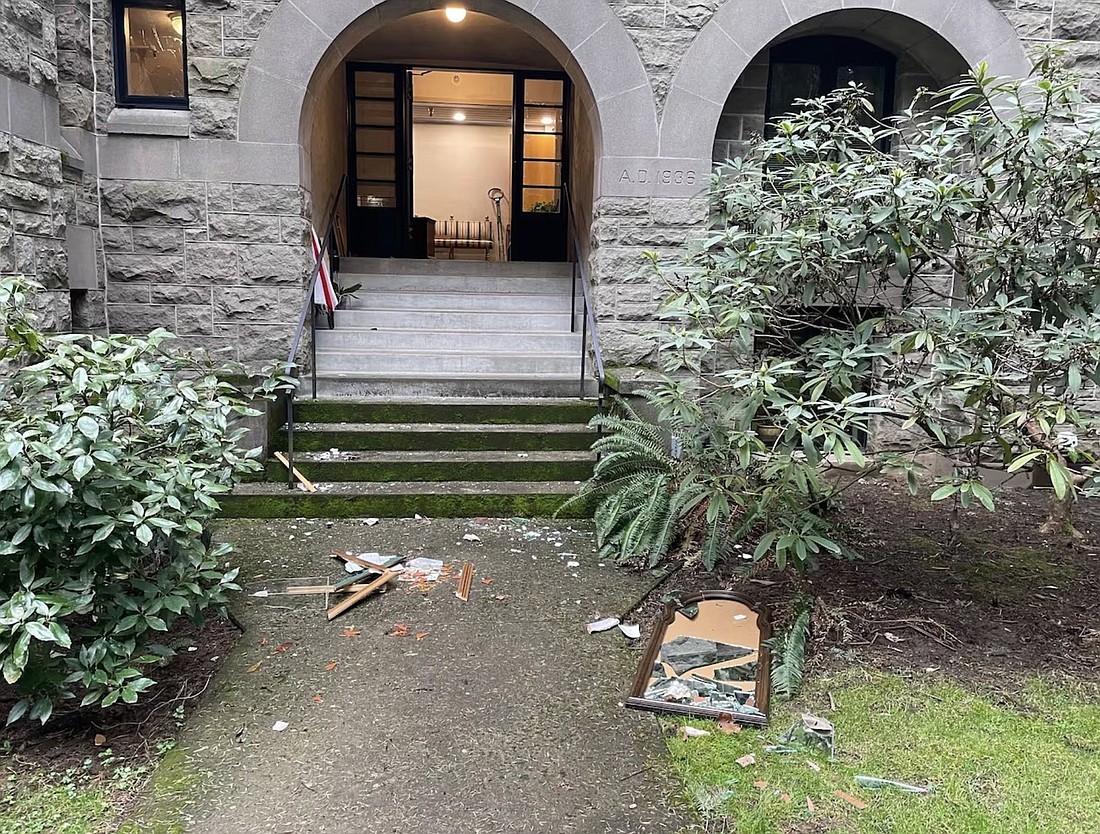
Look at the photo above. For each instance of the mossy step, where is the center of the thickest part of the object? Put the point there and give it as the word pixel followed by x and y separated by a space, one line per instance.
pixel 454 411
pixel 438 466
pixel 459 499
pixel 457 437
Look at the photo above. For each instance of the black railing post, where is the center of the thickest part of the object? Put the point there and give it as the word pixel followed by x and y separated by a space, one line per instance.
pixel 573 300
pixel 584 346
pixel 313 351
pixel 290 440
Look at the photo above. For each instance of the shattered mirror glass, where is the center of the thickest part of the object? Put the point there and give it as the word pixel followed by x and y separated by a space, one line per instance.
pixel 706 657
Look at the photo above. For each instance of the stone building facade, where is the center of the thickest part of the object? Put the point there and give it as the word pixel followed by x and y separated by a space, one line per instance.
pixel 197 219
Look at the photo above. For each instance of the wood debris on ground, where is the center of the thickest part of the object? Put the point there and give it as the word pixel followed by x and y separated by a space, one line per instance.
pixel 306 485
pixel 465 580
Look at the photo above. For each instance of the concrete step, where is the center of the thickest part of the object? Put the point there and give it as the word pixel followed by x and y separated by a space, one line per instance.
pixel 402 318
pixel 438 466
pixel 455 499
pixel 475 341
pixel 461 301
pixel 455 437
pixel 444 267
pixel 560 285
pixel 411 386
pixel 473 410
pixel 437 362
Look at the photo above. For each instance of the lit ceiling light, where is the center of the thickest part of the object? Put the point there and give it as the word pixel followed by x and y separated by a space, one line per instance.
pixel 456 13
pixel 459 116
pixel 547 120
pixel 176 19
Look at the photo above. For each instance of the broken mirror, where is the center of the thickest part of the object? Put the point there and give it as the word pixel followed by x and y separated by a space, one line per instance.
pixel 707 657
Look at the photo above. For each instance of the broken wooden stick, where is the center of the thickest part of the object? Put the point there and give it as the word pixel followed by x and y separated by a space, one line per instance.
pixel 359 560
pixel 302 479
pixel 359 596
pixel 465 580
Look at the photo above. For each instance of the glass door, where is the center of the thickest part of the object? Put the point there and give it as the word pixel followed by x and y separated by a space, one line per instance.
pixel 379 160
pixel 540 220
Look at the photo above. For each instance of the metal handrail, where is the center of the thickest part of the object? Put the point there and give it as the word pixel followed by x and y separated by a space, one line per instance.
pixel 589 331
pixel 308 312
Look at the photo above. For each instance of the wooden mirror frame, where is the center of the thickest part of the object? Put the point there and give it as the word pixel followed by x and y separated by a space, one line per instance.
pixel 636 698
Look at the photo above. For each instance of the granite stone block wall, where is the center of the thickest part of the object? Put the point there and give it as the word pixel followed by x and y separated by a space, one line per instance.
pixel 204 217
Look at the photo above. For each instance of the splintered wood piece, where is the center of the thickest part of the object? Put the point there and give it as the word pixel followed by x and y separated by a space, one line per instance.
pixel 856 803
pixel 306 590
pixel 359 596
pixel 359 560
pixel 465 580
pixel 279 456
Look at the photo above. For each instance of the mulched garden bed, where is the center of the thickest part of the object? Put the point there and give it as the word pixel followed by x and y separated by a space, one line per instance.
pixel 131 732
pixel 990 607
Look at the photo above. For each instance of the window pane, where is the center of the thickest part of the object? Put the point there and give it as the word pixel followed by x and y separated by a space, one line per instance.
pixel 541 146
pixel 374 140
pixel 374 84
pixel 373 112
pixel 376 195
pixel 542 200
pixel 542 119
pixel 154 52
pixel 375 168
pixel 790 82
pixel 543 91
pixel 872 79
pixel 542 173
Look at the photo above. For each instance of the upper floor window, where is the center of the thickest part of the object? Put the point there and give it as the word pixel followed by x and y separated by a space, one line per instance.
pixel 815 66
pixel 150 53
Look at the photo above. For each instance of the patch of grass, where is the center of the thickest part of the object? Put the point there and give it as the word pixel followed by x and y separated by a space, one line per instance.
pixel 39 805
pixel 994 770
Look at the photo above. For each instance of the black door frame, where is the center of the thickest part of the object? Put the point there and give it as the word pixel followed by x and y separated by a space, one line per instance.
pixel 395 242
pixel 540 236
pixel 533 225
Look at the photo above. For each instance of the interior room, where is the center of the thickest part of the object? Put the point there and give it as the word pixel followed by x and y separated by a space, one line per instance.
pixel 462 150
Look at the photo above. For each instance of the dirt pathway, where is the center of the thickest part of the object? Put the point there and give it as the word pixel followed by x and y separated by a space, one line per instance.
pixel 504 716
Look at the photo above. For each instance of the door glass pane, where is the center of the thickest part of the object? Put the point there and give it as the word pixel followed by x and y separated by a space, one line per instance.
pixel 374 84
pixel 542 146
pixel 376 168
pixel 369 112
pixel 542 119
pixel 543 91
pixel 542 200
pixel 542 173
pixel 154 52
pixel 374 140
pixel 790 82
pixel 376 195
pixel 872 79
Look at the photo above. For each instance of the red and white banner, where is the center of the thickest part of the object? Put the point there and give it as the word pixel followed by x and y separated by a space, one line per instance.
pixel 324 293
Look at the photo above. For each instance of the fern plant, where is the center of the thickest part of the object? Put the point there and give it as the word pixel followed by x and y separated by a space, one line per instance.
pixel 788 650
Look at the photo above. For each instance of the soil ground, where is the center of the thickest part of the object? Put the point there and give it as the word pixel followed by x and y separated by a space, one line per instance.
pixel 990 606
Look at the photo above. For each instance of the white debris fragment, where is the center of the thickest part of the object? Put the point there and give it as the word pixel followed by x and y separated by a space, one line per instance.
pixel 471 537
pixel 572 564
pixel 261 594
pixel 279 726
pixel 693 732
pixel 630 630
pixel 370 522
pixel 602 625
pixel 421 569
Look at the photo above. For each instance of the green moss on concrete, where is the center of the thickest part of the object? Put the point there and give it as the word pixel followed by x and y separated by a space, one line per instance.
pixel 172 785
pixel 419 441
pixel 488 413
pixel 434 471
pixel 296 504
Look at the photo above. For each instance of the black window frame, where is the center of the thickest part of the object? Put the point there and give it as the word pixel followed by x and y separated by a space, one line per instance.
pixel 123 97
pixel 829 53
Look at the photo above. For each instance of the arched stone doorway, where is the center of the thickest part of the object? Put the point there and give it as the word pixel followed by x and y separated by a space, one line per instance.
pixel 725 100
pixel 304 44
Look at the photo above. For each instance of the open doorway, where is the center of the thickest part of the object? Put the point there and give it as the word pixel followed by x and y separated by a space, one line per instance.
pixel 462 159
pixel 457 163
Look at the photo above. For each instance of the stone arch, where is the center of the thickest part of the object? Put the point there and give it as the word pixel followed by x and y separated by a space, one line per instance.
pixel 970 30
pixel 305 40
